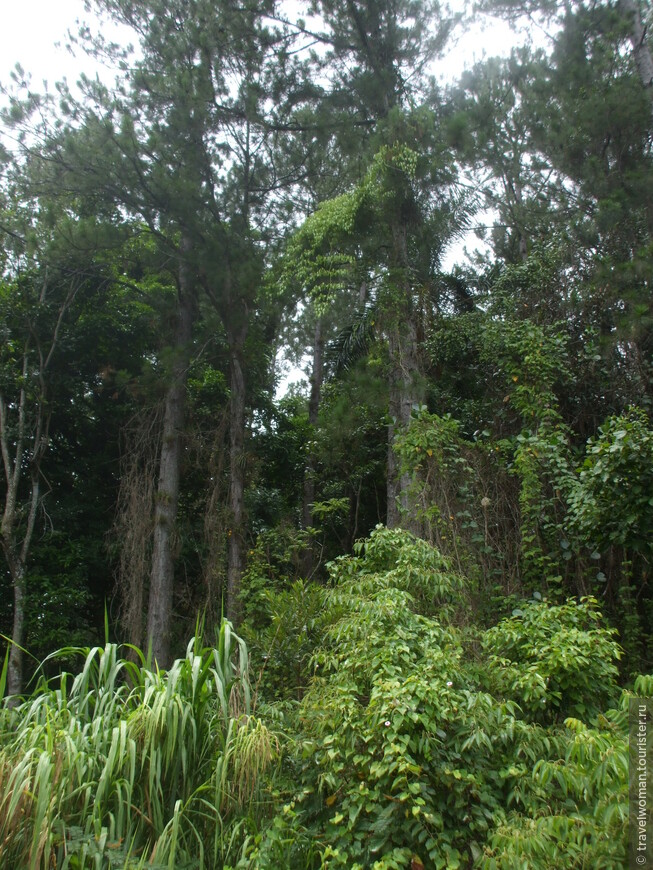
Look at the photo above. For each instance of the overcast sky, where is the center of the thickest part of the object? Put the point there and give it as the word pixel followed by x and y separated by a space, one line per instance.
pixel 30 29
pixel 33 33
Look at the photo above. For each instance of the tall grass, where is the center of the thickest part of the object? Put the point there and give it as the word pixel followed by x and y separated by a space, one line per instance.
pixel 127 766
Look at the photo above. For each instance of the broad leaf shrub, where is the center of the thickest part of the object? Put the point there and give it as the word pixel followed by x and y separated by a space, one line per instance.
pixel 579 806
pixel 612 503
pixel 422 744
pixel 611 510
pixel 124 766
pixel 554 660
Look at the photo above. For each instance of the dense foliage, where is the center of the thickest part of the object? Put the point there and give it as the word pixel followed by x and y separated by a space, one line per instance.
pixel 436 548
pixel 125 766
pixel 422 739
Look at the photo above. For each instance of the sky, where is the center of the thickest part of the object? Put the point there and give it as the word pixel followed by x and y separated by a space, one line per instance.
pixel 28 35
pixel 33 33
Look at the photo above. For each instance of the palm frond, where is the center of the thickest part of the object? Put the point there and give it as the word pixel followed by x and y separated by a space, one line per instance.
pixel 353 342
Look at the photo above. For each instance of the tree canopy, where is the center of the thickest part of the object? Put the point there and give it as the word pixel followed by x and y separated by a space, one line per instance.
pixel 435 549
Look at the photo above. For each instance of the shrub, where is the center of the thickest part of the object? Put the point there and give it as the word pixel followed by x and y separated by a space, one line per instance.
pixel 611 505
pixel 408 749
pixel 554 661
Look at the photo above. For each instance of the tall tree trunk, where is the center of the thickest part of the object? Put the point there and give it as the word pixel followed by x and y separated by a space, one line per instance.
pixel 317 376
pixel 513 191
pixel 13 467
pixel 404 394
pixel 14 457
pixel 15 664
pixel 159 612
pixel 641 50
pixel 17 563
pixel 236 532
pixel 404 390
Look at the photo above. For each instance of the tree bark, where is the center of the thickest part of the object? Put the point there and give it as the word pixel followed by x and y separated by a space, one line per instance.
pixel 159 613
pixel 404 395
pixel 236 532
pixel 513 191
pixel 14 458
pixel 17 565
pixel 13 468
pixel 317 376
pixel 404 389
pixel 15 663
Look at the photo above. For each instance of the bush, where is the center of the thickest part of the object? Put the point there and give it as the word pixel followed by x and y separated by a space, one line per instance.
pixel 408 750
pixel 612 504
pixel 554 661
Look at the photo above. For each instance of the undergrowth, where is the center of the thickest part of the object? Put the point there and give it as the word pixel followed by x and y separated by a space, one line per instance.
pixel 127 766
pixel 406 736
